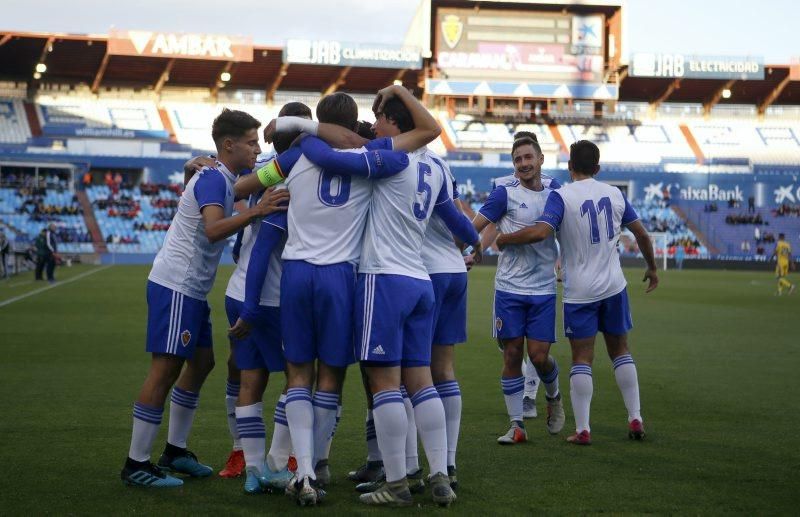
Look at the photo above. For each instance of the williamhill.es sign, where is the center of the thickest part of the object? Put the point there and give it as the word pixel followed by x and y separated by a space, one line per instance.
pixel 180 45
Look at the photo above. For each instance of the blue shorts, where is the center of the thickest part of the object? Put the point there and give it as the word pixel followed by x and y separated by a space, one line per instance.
pixel 317 312
pixel 611 315
pixel 450 311
pixel 262 348
pixel 394 320
pixel 176 323
pixel 525 315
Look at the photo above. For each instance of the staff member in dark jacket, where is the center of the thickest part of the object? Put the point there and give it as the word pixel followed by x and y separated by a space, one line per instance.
pixel 46 253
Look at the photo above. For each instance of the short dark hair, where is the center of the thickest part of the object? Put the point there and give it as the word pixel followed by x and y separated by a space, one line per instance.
pixel 395 111
pixel 585 157
pixel 338 108
pixel 282 141
pixel 365 130
pixel 519 142
pixel 232 124
pixel 781 235
pixel 526 134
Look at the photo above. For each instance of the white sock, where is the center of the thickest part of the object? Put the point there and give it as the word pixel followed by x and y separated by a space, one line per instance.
pixel 325 405
pixel 373 451
pixel 146 421
pixel 281 446
pixel 182 407
pixel 531 378
pixel 300 416
pixel 250 424
pixel 429 415
pixel 628 382
pixel 391 425
pixel 512 391
pixel 231 394
pixel 580 391
pixel 333 433
pixel 412 449
pixel 550 380
pixel 450 394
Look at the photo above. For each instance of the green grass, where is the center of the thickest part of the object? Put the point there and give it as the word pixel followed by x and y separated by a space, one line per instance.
pixel 717 355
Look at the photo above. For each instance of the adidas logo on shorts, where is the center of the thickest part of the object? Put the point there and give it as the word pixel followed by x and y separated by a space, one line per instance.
pixel 568 331
pixel 378 350
pixel 523 205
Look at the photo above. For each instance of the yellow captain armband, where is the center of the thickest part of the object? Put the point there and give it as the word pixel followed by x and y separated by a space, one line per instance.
pixel 270 174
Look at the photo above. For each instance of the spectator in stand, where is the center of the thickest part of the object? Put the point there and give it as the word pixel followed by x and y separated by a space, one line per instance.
pixel 87 179
pixel 757 235
pixel 745 247
pixel 680 254
pixel 751 204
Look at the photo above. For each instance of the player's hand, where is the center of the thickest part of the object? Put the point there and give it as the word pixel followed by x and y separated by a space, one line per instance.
pixel 469 261
pixel 652 276
pixel 197 163
pixel 272 201
pixel 384 94
pixel 477 252
pixel 269 131
pixel 240 330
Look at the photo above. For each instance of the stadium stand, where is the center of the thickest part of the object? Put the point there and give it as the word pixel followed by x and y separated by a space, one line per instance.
pixel 26 208
pixel 13 124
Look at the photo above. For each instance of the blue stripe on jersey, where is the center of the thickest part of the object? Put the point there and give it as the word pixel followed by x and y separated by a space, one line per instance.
pixel 496 204
pixel 553 212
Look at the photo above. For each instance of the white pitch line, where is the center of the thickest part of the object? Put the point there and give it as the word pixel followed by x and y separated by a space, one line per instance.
pixel 52 286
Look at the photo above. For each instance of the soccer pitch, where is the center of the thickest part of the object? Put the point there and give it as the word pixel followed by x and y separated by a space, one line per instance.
pixel 717 356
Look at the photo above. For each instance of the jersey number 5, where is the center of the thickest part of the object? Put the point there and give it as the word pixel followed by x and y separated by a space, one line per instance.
pixel 604 205
pixel 421 210
pixel 327 180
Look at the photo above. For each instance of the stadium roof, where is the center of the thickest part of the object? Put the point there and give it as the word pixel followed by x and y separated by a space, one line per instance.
pixel 75 59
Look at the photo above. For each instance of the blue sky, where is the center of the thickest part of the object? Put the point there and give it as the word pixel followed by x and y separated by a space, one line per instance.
pixel 707 27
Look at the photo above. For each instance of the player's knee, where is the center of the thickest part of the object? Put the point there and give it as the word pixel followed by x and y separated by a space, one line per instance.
pixel 540 360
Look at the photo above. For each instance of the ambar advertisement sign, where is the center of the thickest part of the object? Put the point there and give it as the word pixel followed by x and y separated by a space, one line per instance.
pixel 180 45
pixel 518 45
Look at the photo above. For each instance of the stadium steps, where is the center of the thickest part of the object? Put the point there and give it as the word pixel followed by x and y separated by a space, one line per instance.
pixel 162 114
pixel 33 119
pixel 690 139
pixel 558 138
pixel 91 222
pixel 712 249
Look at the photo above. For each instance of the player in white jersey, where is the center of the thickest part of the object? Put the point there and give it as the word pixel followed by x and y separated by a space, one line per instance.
pixel 395 333
pixel 326 225
pixel 448 272
pixel 488 236
pixel 525 289
pixel 178 323
pixel 589 216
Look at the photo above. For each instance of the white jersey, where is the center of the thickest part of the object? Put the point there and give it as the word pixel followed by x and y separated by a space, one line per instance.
pixel 589 216
pixel 271 291
pixel 327 214
pixel 187 262
pixel 524 269
pixel 439 252
pixel 398 216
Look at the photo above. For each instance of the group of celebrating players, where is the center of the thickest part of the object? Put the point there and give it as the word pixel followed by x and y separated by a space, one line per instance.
pixel 352 246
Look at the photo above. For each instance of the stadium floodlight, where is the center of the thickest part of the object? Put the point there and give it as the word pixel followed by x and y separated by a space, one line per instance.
pixel 41 68
pixel 398 82
pixel 225 77
pixel 726 93
pixel 37 75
